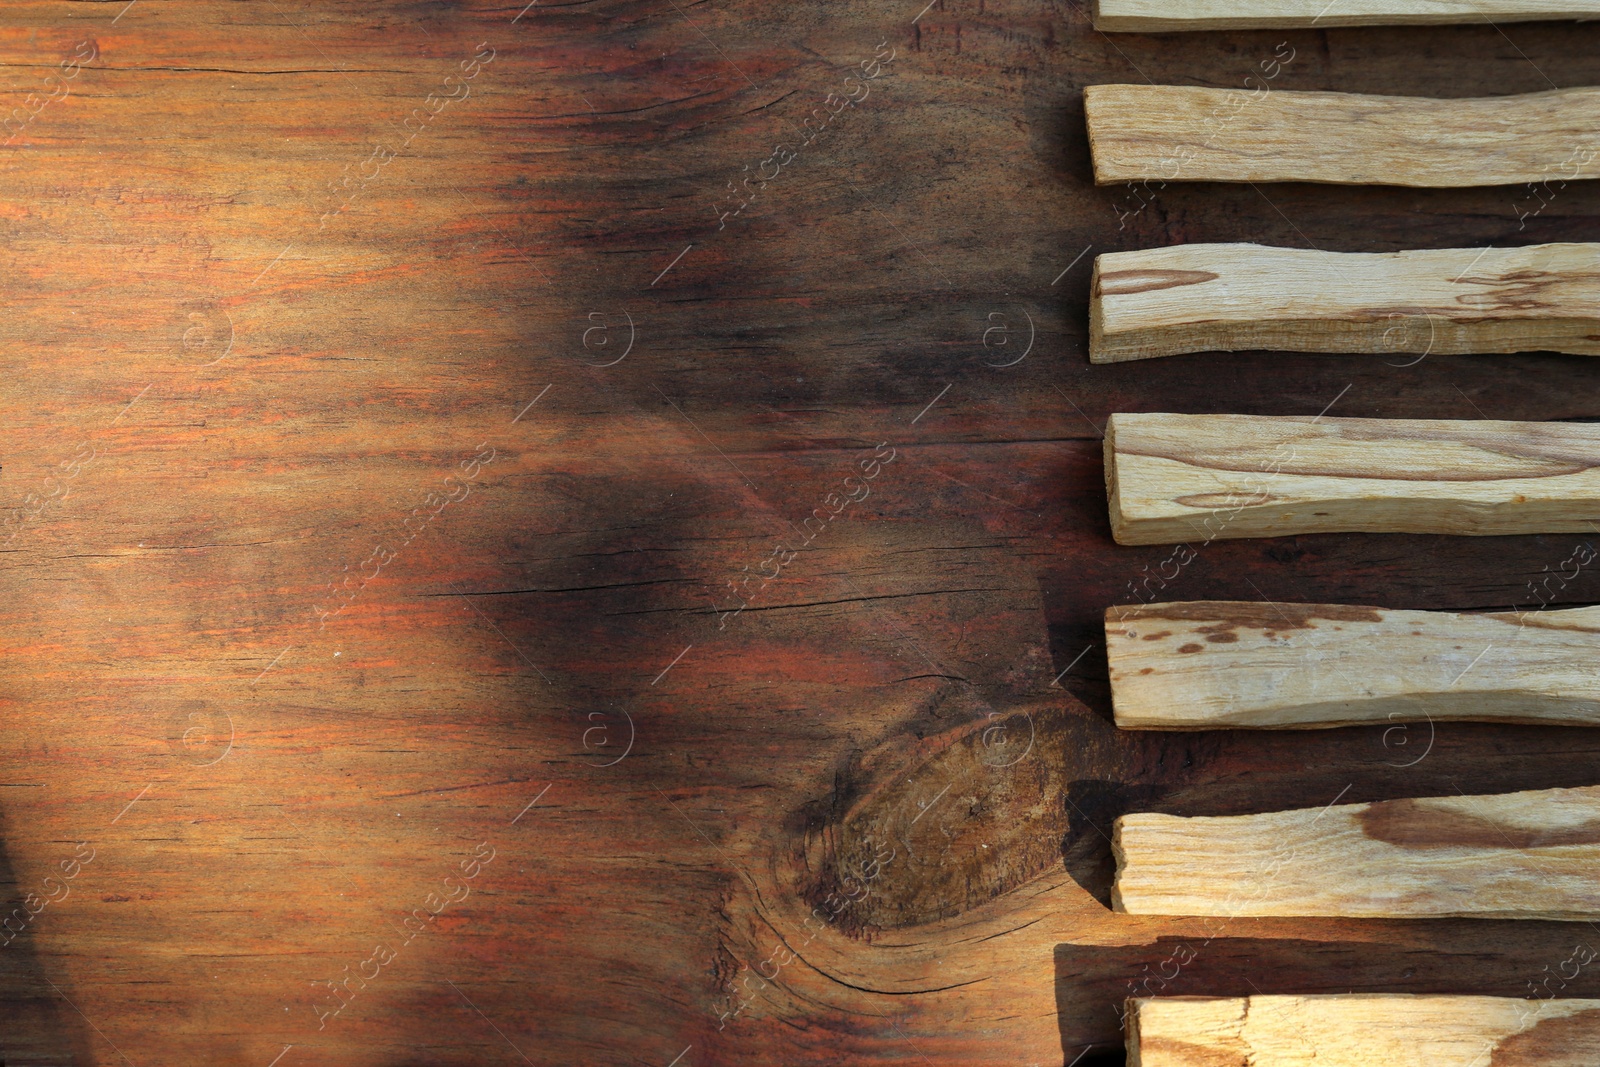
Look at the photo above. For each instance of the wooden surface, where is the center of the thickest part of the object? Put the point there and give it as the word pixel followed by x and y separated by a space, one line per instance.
pixel 1175 478
pixel 1528 855
pixel 513 649
pixel 1199 666
pixel 1360 1029
pixel 1197 298
pixel 1195 134
pixel 1168 15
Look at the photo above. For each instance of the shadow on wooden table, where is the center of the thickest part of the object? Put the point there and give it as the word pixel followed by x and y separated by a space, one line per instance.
pixel 37 1026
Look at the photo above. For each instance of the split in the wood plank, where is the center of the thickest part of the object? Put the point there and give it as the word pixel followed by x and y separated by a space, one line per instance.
pixel 1530 855
pixel 1157 16
pixel 1172 133
pixel 1362 1030
pixel 1197 478
pixel 1454 301
pixel 1214 665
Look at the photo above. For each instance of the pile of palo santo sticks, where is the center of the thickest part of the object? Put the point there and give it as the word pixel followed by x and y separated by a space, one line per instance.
pixel 1176 478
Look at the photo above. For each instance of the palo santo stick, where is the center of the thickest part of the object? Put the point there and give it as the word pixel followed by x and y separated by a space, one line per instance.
pixel 1228 297
pixel 1157 16
pixel 1224 664
pixel 1362 1030
pixel 1532 855
pixel 1196 478
pixel 1173 133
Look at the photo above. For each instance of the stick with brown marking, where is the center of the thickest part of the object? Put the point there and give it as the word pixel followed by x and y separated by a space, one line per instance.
pixel 1156 16
pixel 1532 855
pixel 1362 1030
pixel 1226 664
pixel 1185 478
pixel 1170 133
pixel 1454 301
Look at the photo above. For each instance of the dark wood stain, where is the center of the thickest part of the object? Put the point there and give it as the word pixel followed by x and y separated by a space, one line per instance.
pixel 1419 824
pixel 1250 614
pixel 1191 648
pixel 1562 1041
pixel 1129 282
pixel 1494 295
pixel 1544 620
pixel 1191 1055
pixel 1523 290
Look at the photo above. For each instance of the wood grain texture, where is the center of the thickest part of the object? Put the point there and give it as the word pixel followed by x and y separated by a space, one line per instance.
pixel 1357 1030
pixel 1198 298
pixel 1181 478
pixel 1207 666
pixel 1178 133
pixel 1163 16
pixel 660 906
pixel 1528 855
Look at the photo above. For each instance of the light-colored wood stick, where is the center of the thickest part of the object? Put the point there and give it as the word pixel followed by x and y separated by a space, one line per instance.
pixel 1532 855
pixel 1197 478
pixel 1160 16
pixel 1226 664
pixel 1168 133
pixel 1454 301
pixel 1362 1030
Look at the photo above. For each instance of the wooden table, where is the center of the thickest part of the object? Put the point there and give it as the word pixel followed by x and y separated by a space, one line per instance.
pixel 392 393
